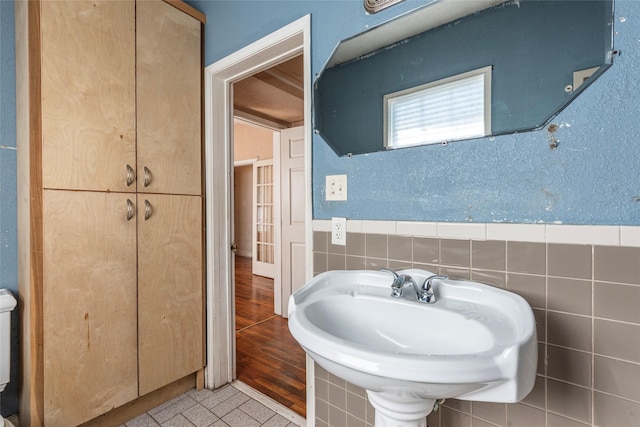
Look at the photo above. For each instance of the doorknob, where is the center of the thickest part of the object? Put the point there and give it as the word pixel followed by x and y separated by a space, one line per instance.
pixel 234 247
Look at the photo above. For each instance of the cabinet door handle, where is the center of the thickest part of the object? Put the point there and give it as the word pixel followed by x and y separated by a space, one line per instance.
pixel 131 210
pixel 147 210
pixel 131 175
pixel 147 176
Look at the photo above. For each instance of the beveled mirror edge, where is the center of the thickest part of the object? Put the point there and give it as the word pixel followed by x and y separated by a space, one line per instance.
pixel 424 18
pixel 604 67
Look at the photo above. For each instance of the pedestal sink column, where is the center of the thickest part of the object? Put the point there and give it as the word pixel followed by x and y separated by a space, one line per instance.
pixel 400 411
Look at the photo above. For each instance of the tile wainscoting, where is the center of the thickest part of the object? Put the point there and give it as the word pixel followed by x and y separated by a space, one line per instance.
pixel 583 283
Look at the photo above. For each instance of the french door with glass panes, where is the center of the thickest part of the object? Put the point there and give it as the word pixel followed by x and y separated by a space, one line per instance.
pixel 263 219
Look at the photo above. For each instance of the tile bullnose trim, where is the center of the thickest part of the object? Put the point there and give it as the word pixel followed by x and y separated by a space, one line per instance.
pixel 604 235
pixel 323 225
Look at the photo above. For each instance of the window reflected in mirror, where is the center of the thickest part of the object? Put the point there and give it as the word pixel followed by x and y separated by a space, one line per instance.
pixel 454 108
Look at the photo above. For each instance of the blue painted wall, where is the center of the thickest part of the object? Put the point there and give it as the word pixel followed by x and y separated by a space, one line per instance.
pixel 593 177
pixel 8 224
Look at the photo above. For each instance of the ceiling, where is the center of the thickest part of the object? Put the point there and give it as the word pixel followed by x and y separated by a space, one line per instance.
pixel 275 95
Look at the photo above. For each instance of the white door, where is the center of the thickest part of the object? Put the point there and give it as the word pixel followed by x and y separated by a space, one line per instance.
pixel 263 219
pixel 292 205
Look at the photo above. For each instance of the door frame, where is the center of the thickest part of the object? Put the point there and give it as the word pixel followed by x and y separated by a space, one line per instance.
pixel 287 42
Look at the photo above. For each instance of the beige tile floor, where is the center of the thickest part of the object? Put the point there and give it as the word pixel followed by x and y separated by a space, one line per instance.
pixel 228 406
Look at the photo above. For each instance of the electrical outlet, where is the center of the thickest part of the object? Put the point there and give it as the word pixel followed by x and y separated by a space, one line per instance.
pixel 339 231
pixel 336 187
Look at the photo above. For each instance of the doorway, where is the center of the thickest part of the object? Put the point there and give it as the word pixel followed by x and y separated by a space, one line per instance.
pixel 268 359
pixel 276 48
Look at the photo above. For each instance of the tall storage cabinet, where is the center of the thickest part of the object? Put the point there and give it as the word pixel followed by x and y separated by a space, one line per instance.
pixel 110 203
pixel 168 87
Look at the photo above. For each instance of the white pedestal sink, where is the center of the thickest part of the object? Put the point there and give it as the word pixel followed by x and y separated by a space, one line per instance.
pixel 476 342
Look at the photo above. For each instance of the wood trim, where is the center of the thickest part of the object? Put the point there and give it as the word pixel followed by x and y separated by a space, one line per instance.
pixel 145 403
pixel 220 321
pixel 200 379
pixel 250 116
pixel 256 122
pixel 189 10
pixel 277 213
pixel 30 199
pixel 247 162
pixel 203 179
pixel 280 79
pixel 36 236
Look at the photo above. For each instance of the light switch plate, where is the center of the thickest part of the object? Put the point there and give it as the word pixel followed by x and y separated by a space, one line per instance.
pixel 336 187
pixel 339 231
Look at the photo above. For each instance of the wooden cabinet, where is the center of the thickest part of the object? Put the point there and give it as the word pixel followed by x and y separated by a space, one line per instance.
pixel 170 229
pixel 88 94
pixel 90 311
pixel 110 203
pixel 170 293
pixel 168 69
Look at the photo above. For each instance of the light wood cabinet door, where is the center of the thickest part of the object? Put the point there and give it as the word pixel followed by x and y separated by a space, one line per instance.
pixel 90 309
pixel 169 75
pixel 88 94
pixel 170 289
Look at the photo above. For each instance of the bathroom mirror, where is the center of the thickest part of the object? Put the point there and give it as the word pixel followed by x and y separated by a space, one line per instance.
pixel 542 54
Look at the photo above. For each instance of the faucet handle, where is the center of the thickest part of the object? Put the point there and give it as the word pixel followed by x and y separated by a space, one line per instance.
pixel 398 283
pixel 426 286
pixel 426 294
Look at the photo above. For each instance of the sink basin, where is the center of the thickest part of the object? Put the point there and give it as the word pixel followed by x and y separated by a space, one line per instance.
pixel 476 342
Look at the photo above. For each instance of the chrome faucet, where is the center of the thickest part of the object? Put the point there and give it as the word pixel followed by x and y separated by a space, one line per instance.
pixel 427 295
pixel 399 280
pixel 423 293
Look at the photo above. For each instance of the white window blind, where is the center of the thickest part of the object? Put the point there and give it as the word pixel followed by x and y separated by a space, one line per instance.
pixel 454 108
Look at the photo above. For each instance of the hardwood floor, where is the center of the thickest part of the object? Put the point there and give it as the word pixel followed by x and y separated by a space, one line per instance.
pixel 267 357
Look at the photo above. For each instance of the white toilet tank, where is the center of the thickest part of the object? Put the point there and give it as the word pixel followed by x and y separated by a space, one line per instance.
pixel 7 303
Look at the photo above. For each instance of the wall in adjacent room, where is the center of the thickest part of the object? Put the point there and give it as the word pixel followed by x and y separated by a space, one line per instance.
pixel 251 142
pixel 243 210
